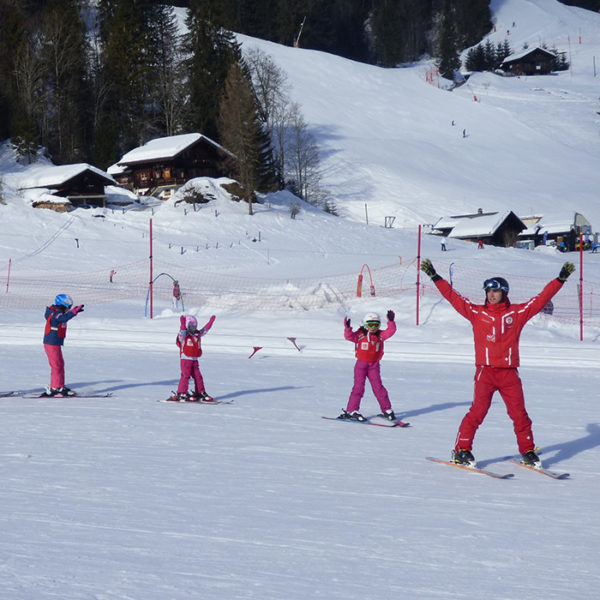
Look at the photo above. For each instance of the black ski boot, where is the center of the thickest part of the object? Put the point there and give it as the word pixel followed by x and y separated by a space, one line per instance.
pixel 389 415
pixel 531 459
pixel 463 457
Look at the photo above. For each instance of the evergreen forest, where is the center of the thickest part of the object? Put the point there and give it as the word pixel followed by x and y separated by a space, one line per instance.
pixel 88 80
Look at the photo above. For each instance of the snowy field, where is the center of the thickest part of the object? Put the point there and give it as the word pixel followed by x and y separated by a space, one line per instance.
pixel 128 498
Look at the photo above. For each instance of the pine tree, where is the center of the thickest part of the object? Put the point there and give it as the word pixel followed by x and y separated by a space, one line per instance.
pixel 211 51
pixel 63 52
pixel 447 44
pixel 128 35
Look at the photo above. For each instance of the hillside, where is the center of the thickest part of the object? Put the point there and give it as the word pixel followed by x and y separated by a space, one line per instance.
pixel 387 138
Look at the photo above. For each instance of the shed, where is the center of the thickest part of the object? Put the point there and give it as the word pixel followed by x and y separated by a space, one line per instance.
pixel 533 61
pixel 556 227
pixel 166 163
pixel 494 228
pixel 74 185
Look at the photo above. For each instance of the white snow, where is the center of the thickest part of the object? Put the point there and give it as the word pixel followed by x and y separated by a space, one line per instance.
pixel 128 498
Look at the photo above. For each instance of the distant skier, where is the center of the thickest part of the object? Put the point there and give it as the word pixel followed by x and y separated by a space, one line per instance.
pixel 190 350
pixel 443 244
pixel 368 340
pixel 176 295
pixel 497 326
pixel 55 332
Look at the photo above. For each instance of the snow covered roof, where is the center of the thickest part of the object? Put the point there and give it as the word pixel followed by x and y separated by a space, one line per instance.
pixel 519 55
pixel 476 225
pixel 555 223
pixel 53 176
pixel 164 148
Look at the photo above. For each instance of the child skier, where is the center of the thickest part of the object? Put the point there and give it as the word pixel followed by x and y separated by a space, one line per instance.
pixel 368 341
pixel 55 332
pixel 190 350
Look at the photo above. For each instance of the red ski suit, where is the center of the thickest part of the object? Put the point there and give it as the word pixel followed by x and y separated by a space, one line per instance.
pixel 369 350
pixel 190 350
pixel 496 331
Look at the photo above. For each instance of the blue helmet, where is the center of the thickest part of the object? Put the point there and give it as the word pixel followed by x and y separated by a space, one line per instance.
pixel 496 283
pixel 63 300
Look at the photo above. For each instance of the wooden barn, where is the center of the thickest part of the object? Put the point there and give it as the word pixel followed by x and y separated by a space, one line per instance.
pixel 493 228
pixel 164 164
pixel 72 185
pixel 533 61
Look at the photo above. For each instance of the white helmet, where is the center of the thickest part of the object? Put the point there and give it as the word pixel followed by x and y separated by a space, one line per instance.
pixel 370 317
pixel 190 321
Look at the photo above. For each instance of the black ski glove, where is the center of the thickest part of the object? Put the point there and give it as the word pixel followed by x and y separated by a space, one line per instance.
pixel 347 322
pixel 391 315
pixel 566 270
pixel 427 268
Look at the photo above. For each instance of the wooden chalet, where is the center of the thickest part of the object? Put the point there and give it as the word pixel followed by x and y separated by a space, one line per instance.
pixel 68 185
pixel 164 164
pixel 493 228
pixel 534 61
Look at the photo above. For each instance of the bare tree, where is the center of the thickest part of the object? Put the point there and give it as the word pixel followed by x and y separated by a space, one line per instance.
pixel 271 88
pixel 302 164
pixel 29 79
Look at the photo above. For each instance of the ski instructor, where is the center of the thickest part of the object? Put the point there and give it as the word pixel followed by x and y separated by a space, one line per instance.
pixel 497 325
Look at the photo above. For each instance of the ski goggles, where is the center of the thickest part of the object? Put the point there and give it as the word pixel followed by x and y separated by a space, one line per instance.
pixel 372 323
pixel 493 284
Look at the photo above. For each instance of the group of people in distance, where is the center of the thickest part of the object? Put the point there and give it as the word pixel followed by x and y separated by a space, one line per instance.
pixel 497 326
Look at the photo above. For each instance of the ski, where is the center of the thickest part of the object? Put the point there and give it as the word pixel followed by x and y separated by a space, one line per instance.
pixel 167 400
pixel 473 469
pixel 542 470
pixel 81 395
pixel 19 394
pixel 371 421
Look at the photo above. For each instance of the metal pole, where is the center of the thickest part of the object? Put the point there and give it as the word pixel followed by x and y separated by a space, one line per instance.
pixel 581 287
pixel 418 272
pixel 151 278
pixel 8 277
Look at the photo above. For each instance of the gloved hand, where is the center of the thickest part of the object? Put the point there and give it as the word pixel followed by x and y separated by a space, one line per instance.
pixel 566 270
pixel 347 322
pixel 210 323
pixel 391 315
pixel 182 322
pixel 77 309
pixel 427 268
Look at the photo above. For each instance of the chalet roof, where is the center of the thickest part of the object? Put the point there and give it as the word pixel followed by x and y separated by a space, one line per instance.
pixel 475 225
pixel 165 148
pixel 53 176
pixel 520 55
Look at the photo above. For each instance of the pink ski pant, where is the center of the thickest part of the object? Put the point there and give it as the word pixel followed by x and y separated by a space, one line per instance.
pixel 487 381
pixel 190 368
pixel 57 365
pixel 371 371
